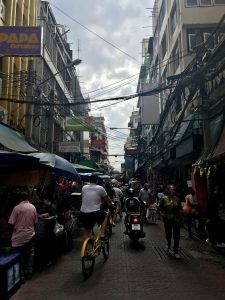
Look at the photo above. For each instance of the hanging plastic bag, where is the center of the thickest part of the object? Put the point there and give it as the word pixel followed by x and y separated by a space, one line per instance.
pixel 58 229
pixel 186 208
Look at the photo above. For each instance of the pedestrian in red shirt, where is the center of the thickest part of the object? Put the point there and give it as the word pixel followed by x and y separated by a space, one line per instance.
pixel 23 219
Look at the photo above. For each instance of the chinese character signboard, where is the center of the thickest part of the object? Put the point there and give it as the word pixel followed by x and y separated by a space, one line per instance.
pixel 20 41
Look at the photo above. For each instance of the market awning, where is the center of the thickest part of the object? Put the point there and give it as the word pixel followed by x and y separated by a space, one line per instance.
pixel 88 163
pixel 12 158
pixel 14 140
pixel 79 167
pixel 191 124
pixel 215 127
pixel 181 131
pixel 143 167
pixel 60 166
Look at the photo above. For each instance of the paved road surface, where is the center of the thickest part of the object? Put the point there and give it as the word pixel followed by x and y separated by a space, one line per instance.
pixel 133 272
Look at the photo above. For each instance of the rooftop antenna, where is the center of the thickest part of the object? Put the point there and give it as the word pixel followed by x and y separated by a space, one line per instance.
pixel 78 48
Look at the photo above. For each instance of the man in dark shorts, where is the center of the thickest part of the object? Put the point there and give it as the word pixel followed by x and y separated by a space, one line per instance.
pixel 93 196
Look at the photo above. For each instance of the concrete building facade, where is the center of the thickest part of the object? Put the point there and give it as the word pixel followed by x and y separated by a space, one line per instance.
pixel 13 69
pixel 181 43
pixel 47 86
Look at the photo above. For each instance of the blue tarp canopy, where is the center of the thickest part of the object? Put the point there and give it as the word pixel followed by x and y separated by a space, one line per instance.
pixel 13 158
pixel 61 167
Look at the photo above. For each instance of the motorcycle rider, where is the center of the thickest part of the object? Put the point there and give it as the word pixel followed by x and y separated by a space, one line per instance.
pixel 119 198
pixel 132 205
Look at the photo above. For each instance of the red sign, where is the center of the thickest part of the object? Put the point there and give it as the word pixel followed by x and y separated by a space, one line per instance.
pixel 98 143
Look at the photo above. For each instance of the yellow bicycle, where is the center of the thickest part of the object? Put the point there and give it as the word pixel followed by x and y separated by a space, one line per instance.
pixel 91 248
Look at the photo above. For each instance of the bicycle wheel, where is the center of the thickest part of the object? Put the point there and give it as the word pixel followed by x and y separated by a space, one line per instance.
pixel 109 229
pixel 88 260
pixel 105 247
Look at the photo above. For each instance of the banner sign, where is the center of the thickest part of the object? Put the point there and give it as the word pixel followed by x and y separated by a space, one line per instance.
pixel 129 162
pixel 78 124
pixel 98 143
pixel 20 41
pixel 69 147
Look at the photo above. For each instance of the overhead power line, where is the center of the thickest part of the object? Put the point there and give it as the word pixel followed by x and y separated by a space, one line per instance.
pixel 96 34
pixel 124 98
pixel 132 78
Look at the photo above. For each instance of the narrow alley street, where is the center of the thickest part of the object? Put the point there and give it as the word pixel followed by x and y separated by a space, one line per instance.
pixel 144 271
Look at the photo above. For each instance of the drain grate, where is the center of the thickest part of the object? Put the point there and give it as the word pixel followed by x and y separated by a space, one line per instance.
pixel 160 252
pixel 185 254
pixel 163 254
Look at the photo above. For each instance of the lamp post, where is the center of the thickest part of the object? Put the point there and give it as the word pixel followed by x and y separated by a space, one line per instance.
pixel 70 65
pixel 114 128
pixel 30 108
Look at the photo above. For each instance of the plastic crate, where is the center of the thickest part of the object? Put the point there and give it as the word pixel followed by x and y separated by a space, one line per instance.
pixel 10 279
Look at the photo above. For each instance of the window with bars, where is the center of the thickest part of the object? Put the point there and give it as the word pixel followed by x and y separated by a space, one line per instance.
pixel 194 40
pixel 211 43
pixel 197 36
pixel 173 18
pixel 219 2
pixel 164 45
pixel 205 2
pixel 162 13
pixel 192 3
pixel 175 57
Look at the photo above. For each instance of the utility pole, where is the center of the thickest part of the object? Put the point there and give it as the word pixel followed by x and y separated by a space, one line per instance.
pixel 51 131
pixel 29 97
pixel 207 138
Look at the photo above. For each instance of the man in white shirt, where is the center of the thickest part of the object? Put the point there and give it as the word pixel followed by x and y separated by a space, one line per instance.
pixel 93 196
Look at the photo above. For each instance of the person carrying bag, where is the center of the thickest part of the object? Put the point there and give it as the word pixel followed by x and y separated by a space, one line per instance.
pixel 189 210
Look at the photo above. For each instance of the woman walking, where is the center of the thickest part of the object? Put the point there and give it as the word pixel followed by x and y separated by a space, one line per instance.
pixel 170 210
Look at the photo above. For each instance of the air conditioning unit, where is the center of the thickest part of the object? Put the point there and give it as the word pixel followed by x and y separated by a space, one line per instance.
pixel 53 29
pixel 2 11
pixel 3 115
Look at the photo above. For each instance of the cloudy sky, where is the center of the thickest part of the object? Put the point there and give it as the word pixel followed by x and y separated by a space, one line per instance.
pixel 107 36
